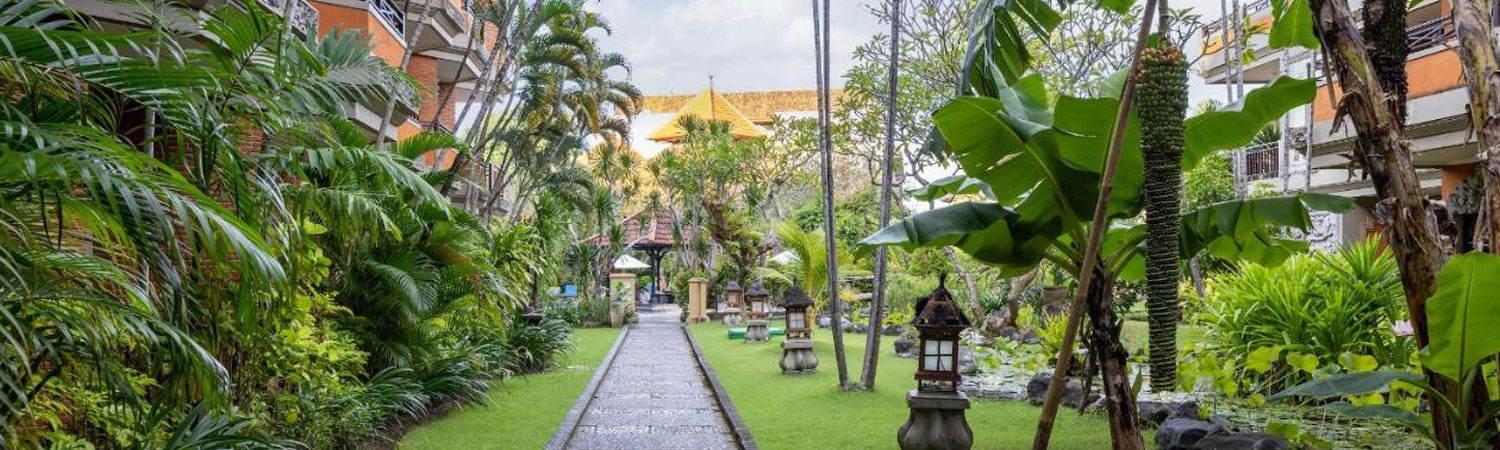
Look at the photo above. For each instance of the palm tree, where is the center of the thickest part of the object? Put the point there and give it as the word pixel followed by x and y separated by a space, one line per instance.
pixel 809 266
pixel 825 145
pixel 877 304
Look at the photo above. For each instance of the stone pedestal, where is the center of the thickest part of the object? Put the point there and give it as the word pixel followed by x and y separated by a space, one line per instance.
pixel 756 331
pixel 732 317
pixel 936 422
pixel 697 300
pixel 621 297
pixel 797 356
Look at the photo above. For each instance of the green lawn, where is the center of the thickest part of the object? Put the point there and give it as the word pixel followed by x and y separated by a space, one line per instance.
pixel 524 411
pixel 785 412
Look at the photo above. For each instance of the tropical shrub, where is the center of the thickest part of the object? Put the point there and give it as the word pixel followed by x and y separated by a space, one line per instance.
pixel 1322 304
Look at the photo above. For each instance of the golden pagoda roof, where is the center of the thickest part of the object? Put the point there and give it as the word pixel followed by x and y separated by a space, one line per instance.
pixel 758 106
pixel 708 105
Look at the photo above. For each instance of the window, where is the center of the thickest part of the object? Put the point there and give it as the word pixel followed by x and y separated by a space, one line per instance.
pixel 938 356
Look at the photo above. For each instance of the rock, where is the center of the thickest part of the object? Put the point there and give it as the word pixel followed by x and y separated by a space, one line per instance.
pixel 1152 413
pixel 993 323
pixel 906 348
pixel 966 363
pixel 824 322
pixel 891 330
pixel 1183 434
pixel 1181 410
pixel 1019 335
pixel 858 327
pixel 1036 391
pixel 1248 441
pixel 1222 422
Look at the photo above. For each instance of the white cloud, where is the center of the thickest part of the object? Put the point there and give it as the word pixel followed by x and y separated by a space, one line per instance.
pixel 674 45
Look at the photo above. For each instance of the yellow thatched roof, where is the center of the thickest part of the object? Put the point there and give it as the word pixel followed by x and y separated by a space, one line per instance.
pixel 708 105
pixel 758 106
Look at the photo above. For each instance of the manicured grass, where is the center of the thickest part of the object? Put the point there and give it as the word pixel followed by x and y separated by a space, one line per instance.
pixel 1134 333
pixel 523 411
pixel 809 411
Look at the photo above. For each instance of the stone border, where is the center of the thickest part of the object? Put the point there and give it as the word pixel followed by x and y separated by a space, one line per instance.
pixel 726 406
pixel 565 430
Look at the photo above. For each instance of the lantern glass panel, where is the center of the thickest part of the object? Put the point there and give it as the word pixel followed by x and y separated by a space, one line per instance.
pixel 758 306
pixel 796 320
pixel 937 355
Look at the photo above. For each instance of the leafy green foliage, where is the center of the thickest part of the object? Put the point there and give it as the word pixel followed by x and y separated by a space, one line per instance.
pixel 1319 306
pixel 1460 311
pixel 166 281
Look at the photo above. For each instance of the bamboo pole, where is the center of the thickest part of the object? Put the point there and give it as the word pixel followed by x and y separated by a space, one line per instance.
pixel 1091 249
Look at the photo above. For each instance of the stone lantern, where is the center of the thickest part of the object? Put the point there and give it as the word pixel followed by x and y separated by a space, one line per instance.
pixel 797 350
pixel 937 407
pixel 759 300
pixel 732 301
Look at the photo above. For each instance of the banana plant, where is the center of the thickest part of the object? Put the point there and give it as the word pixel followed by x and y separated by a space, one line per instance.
pixel 1461 313
pixel 1038 161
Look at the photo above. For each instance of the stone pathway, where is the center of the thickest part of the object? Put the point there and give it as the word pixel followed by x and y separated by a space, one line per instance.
pixel 654 395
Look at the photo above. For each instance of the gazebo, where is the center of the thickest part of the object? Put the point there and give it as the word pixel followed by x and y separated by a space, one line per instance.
pixel 651 233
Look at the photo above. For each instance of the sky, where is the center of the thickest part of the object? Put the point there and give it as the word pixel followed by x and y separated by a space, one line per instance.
pixel 674 46
pixel 748 45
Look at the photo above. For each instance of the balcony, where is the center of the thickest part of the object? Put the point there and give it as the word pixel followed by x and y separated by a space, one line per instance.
pixel 392 15
pixel 302 16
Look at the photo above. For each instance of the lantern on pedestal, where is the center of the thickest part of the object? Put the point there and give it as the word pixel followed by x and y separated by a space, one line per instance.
pixel 758 299
pixel 732 301
pixel 797 350
pixel 937 407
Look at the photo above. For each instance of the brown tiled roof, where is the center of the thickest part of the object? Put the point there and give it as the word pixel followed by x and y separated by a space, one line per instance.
pixel 758 106
pixel 643 230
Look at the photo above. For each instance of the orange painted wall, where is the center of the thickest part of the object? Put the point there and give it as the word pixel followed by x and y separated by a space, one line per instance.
pixel 406 130
pixel 387 46
pixel 1214 42
pixel 1431 74
pixel 1455 175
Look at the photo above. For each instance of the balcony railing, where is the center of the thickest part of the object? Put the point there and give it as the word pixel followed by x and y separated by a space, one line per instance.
pixel 1429 34
pixel 1421 36
pixel 400 90
pixel 1251 10
pixel 386 10
pixel 1262 162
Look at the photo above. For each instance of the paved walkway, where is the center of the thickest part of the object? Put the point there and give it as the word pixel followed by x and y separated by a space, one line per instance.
pixel 654 395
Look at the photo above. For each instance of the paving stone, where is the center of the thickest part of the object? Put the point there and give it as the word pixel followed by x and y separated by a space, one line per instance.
pixel 653 396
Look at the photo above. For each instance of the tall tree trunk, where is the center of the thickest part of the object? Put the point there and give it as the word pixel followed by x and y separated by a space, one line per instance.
pixel 1476 47
pixel 411 48
pixel 1124 432
pixel 1162 109
pixel 877 302
pixel 825 146
pixel 1382 151
pixel 1018 287
pixel 1114 369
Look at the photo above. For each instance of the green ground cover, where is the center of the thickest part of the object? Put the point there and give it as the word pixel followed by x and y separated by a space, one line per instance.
pixel 523 411
pixel 808 411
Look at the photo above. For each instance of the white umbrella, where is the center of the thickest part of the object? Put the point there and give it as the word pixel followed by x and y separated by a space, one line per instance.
pixel 785 257
pixel 626 262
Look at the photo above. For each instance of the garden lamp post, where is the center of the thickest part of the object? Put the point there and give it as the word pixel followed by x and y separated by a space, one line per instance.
pixel 937 407
pixel 732 299
pixel 797 350
pixel 758 298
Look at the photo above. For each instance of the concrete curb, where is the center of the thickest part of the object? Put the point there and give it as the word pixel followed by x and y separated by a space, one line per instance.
pixel 569 424
pixel 741 432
